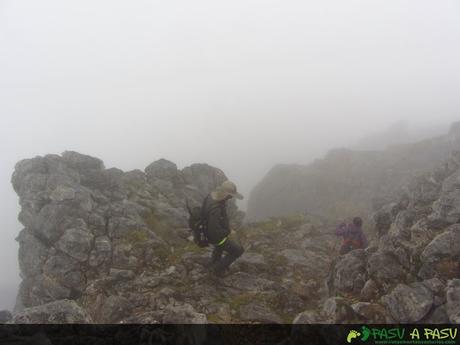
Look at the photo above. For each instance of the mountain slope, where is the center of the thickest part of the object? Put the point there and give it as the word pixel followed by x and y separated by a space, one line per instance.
pixel 347 182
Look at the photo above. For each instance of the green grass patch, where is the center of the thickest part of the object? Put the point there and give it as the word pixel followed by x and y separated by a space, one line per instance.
pixel 136 237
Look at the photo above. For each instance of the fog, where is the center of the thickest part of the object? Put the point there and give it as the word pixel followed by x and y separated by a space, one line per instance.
pixel 241 85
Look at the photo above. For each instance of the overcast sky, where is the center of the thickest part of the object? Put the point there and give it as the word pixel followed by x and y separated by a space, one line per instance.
pixel 241 84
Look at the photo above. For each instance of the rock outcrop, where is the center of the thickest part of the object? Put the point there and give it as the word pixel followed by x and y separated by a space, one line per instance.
pixel 63 311
pixel 84 222
pixel 107 246
pixel 410 272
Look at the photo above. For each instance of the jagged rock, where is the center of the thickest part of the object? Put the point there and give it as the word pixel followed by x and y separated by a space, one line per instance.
pixel 384 217
pixel 307 317
pixel 114 309
pixel 453 300
pixel 440 257
pixel 372 312
pixel 76 243
pixel 409 303
pixel 183 314
pixel 445 244
pixel 260 313
pixel 435 285
pixel 5 316
pixel 65 271
pixel 447 207
pixel 349 273
pixel 385 270
pixel 437 316
pixel 32 253
pixel 203 176
pixel 403 222
pixel 64 311
pixel 221 311
pixel 61 193
pixel 162 169
pixel 337 310
pixel 121 274
pixel 421 234
pixel 102 252
pixel 370 291
pixel 81 163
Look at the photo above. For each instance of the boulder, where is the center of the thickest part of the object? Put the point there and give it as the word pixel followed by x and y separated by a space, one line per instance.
pixel 64 311
pixel 409 303
pixel 259 313
pixel 372 312
pixel 337 310
pixel 349 273
pixel 102 252
pixel 443 245
pixel 440 257
pixel 307 317
pixel 385 270
pixel 80 162
pixel 183 314
pixel 370 291
pixel 114 309
pixel 5 316
pixel 437 316
pixel 76 243
pixel 453 300
pixel 32 253
pixel 447 207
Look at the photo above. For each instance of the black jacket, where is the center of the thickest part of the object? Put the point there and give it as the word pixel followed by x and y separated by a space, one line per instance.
pixel 218 226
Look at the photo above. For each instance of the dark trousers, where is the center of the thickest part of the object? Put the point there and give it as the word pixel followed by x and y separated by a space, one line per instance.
pixel 233 251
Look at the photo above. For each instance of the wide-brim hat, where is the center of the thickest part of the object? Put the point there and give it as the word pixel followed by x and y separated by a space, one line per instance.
pixel 225 189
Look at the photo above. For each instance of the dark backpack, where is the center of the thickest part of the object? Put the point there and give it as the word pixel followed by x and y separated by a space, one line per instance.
pixel 198 223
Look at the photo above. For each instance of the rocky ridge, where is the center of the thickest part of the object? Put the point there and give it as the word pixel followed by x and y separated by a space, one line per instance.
pixel 104 246
pixel 101 245
pixel 410 273
pixel 347 182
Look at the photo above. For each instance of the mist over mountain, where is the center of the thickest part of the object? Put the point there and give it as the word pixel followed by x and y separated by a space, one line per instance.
pixel 347 182
pixel 400 132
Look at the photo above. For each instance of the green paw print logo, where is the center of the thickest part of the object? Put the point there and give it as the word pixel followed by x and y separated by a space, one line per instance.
pixel 352 335
pixel 365 333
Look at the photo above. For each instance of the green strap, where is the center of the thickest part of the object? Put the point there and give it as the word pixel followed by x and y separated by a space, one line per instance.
pixel 222 242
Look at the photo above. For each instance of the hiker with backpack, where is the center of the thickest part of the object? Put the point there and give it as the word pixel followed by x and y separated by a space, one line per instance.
pixel 353 236
pixel 210 225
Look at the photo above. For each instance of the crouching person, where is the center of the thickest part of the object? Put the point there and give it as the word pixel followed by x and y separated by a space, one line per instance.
pixel 353 236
